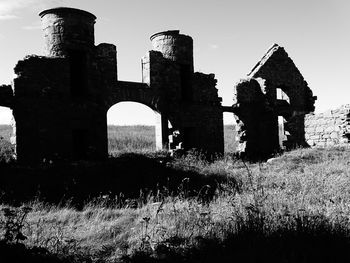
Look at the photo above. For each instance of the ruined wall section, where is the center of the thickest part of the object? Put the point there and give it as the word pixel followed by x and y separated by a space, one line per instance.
pixel 203 117
pixel 6 96
pixel 256 121
pixel 41 108
pixel 204 89
pixel 281 97
pixel 69 34
pixel 279 71
pixel 106 76
pixel 163 78
pixel 331 128
pixel 188 100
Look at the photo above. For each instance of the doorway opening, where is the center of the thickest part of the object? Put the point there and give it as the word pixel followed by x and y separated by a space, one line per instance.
pixel 230 133
pixel 131 128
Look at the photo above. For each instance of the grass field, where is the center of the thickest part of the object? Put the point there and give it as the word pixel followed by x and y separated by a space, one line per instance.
pixel 135 138
pixel 131 138
pixel 152 208
pixel 5 132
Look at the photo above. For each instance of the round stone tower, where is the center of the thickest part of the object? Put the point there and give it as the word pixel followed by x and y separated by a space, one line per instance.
pixel 174 46
pixel 67 29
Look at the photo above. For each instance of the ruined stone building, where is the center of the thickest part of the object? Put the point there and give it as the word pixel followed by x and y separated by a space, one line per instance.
pixel 60 100
pixel 270 105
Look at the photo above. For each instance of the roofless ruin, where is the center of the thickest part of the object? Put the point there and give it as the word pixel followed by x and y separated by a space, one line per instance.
pixel 60 100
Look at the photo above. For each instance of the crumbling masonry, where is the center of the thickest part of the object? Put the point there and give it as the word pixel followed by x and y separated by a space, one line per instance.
pixel 60 100
pixel 330 128
pixel 270 106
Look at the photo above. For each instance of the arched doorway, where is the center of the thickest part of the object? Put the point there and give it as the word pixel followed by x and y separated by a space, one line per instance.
pixel 132 127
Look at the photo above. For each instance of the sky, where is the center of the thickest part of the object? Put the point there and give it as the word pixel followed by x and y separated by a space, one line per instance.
pixel 230 37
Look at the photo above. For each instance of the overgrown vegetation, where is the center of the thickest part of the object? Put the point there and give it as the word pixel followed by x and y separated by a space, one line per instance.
pixel 131 139
pixel 293 208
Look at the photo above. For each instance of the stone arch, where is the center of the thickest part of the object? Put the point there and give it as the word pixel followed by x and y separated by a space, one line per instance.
pixel 141 93
pixel 135 92
pixel 120 114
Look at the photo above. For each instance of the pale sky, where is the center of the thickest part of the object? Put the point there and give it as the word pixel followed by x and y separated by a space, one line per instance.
pixel 230 36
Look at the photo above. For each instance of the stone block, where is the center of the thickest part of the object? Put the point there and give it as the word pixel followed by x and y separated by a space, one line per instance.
pixel 330 143
pixel 334 135
pixel 315 137
pixel 326 136
pixel 320 129
pixel 329 129
pixel 311 142
pixel 320 144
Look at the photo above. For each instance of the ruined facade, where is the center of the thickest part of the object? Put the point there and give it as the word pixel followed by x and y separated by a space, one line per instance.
pixel 270 105
pixel 60 100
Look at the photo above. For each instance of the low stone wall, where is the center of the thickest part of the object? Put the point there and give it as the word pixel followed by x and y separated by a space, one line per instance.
pixel 331 128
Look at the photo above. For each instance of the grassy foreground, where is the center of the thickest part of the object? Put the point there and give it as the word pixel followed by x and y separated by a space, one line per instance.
pixel 294 208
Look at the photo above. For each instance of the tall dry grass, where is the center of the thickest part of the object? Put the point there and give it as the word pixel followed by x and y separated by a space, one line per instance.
pixel 294 208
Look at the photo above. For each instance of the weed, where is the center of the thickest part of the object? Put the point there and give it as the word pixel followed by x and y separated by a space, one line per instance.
pixel 13 222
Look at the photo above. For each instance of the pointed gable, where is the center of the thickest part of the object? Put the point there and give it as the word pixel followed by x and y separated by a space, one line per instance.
pixel 279 72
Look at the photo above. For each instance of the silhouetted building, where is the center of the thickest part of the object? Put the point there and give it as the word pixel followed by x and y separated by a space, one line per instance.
pixel 60 100
pixel 270 105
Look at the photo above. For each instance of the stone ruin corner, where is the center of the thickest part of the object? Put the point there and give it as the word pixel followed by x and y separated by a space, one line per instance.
pixel 270 106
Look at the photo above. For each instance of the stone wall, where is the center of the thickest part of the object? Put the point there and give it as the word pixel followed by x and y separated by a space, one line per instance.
pixel 186 99
pixel 331 128
pixel 257 123
pixel 274 90
pixel 42 109
pixel 61 100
